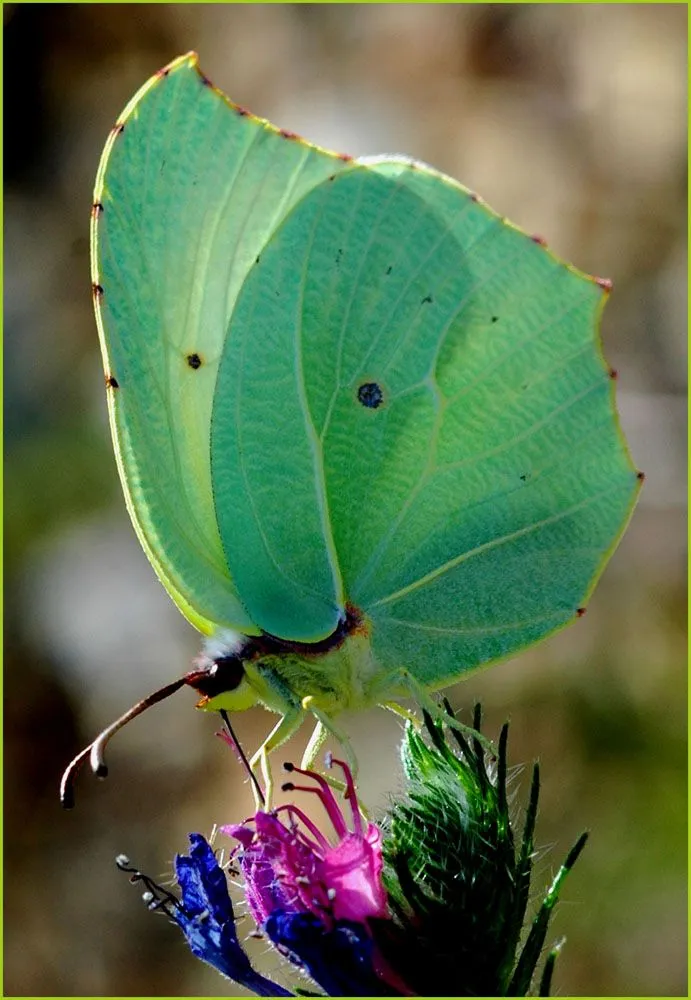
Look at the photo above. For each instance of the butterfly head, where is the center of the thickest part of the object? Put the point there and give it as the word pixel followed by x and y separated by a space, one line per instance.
pixel 220 673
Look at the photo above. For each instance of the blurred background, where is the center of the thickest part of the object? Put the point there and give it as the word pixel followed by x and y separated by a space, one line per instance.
pixel 568 119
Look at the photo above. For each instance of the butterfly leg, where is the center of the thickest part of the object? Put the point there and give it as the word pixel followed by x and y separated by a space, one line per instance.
pixel 309 757
pixel 285 728
pixel 426 702
pixel 316 741
pixel 329 726
pixel 403 713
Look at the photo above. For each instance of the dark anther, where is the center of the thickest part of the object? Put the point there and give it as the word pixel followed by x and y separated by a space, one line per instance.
pixel 155 896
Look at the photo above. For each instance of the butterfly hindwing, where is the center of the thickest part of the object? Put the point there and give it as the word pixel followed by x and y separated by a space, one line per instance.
pixel 417 418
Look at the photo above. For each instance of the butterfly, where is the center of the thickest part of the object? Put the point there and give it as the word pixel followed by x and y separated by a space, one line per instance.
pixel 364 427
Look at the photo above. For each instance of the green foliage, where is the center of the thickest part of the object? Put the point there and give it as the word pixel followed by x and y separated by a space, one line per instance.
pixel 457 881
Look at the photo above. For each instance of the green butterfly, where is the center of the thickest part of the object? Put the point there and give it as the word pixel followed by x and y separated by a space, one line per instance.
pixel 364 427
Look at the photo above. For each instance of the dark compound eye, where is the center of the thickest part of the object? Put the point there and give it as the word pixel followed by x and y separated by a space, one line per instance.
pixel 194 361
pixel 370 395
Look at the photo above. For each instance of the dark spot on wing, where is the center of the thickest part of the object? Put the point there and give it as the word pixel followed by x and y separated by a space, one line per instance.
pixel 370 395
pixel 205 80
pixel 288 135
pixel 96 209
pixel 242 112
pixel 332 177
pixel 580 612
pixel 112 382
pixel 494 319
pixel 118 128
pixel 473 196
pixel 339 256
pixel 194 361
pixel 389 269
pixel 640 476
pixel 97 291
pixel 427 298
pixel 523 477
pixel 162 72
pixel 257 259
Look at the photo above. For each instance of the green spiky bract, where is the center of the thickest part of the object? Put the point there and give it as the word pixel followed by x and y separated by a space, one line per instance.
pixel 458 881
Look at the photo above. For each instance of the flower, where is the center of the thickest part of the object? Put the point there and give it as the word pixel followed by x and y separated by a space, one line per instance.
pixel 204 914
pixel 295 867
pixel 316 899
pixel 207 920
pixel 431 902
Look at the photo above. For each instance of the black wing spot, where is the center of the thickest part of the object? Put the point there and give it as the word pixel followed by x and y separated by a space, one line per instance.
pixel 427 298
pixel 370 395
pixel 339 256
pixel 96 209
pixel 97 291
pixel 112 382
pixel 194 361
pixel 389 269
pixel 494 319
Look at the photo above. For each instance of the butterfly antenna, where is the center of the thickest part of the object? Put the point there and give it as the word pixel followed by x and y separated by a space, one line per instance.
pixel 96 750
pixel 243 756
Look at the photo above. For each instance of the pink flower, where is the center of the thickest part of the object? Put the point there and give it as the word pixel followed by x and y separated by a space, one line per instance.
pixel 293 866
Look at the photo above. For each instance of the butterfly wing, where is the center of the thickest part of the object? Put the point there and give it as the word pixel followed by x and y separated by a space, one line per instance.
pixel 188 191
pixel 447 456
pixel 529 484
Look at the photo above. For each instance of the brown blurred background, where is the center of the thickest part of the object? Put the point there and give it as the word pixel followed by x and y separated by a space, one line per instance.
pixel 570 120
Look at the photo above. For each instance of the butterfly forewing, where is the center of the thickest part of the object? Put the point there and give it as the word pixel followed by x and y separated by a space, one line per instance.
pixel 189 190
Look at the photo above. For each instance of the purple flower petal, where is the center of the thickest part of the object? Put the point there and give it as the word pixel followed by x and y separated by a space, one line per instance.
pixel 207 920
pixel 339 959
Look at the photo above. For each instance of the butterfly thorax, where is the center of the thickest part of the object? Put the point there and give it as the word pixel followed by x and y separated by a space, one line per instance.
pixel 339 673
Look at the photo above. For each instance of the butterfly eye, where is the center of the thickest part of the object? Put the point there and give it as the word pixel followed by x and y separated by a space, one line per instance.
pixel 225 673
pixel 370 395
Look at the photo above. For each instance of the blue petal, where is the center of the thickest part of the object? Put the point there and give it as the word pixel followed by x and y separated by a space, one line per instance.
pixel 339 959
pixel 207 920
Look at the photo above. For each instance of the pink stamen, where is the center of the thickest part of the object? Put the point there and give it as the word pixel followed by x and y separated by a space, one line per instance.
pixel 350 793
pixel 292 810
pixel 227 738
pixel 327 799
